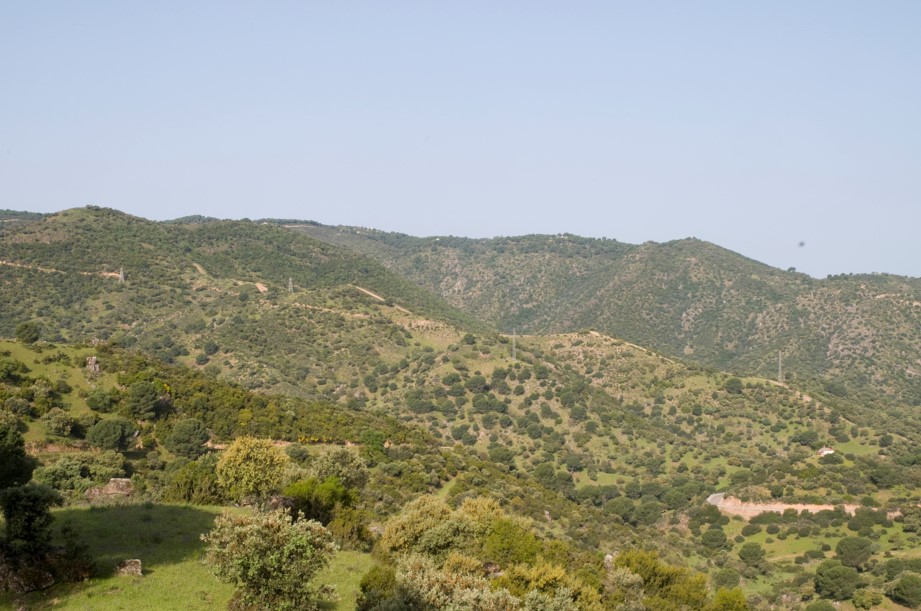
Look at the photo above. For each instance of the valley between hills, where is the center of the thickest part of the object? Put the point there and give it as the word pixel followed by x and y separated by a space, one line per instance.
pixel 539 422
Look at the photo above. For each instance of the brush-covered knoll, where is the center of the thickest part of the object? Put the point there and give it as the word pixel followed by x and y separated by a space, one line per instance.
pixel 211 293
pixel 761 436
pixel 10 218
pixel 687 298
pixel 596 418
pixel 44 384
pixel 62 404
pixel 646 499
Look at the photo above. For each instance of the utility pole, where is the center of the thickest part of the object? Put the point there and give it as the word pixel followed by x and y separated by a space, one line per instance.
pixel 290 285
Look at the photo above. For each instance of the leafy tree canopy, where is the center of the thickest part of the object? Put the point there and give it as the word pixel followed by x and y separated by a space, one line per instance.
pixel 251 467
pixel 188 438
pixel 271 559
pixel 111 434
pixel 346 466
pixel 28 332
pixel 15 465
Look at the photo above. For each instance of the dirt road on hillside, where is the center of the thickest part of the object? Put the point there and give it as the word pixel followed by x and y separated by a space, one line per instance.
pixel 735 507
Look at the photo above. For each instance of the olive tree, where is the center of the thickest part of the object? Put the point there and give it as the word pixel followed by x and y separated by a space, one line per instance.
pixel 343 464
pixel 271 558
pixel 251 468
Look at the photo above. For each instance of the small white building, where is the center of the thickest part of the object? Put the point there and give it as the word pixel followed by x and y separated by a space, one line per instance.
pixel 825 451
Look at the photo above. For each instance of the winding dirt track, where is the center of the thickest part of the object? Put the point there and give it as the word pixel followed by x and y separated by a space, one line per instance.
pixel 379 298
pixel 51 270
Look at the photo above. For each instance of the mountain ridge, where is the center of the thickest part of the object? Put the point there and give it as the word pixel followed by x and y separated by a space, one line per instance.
pixel 687 298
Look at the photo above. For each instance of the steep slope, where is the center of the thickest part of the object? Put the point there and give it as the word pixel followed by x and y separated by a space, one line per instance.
pixel 686 298
pixel 214 293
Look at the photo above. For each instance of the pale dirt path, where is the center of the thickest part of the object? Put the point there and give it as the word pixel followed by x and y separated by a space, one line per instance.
pixel 342 313
pixel 379 298
pixel 51 270
pixel 632 345
pixel 735 507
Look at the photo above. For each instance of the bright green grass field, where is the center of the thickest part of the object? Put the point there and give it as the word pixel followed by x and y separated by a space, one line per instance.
pixel 166 538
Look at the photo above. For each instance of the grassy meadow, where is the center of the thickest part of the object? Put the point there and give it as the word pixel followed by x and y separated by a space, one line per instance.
pixel 166 538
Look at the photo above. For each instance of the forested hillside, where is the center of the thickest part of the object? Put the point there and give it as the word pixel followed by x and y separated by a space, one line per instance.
pixel 214 293
pixel 535 455
pixel 686 298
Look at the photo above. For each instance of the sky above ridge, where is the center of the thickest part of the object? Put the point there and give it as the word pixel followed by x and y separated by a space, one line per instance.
pixel 789 132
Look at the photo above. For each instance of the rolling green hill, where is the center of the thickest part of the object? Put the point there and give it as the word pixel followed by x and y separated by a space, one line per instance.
pixel 214 293
pixel 599 442
pixel 578 408
pixel 687 298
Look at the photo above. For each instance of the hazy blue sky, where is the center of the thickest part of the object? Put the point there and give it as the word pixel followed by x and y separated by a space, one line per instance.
pixel 752 125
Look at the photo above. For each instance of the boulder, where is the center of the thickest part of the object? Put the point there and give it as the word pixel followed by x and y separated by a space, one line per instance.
pixel 129 568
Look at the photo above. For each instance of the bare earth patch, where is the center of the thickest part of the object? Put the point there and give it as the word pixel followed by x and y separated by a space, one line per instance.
pixel 734 507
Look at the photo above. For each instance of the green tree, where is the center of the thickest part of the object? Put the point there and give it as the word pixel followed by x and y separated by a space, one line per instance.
pixel 404 531
pixel 196 483
pixel 893 567
pixel 271 559
pixel 27 512
pixel 729 600
pixel 59 422
pixel 28 332
pixel 251 467
pixel 318 500
pixel 867 598
pixel 714 538
pixel 15 465
pixel 343 464
pixel 907 591
pixel 834 580
pixel 854 551
pixel 187 438
pixel 12 370
pixel 143 400
pixel 111 434
pixel 102 400
pixel 548 580
pixel 378 586
pixel 751 554
pixel 733 386
pixel 508 542
pixel 912 519
pixel 726 578
pixel 666 587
